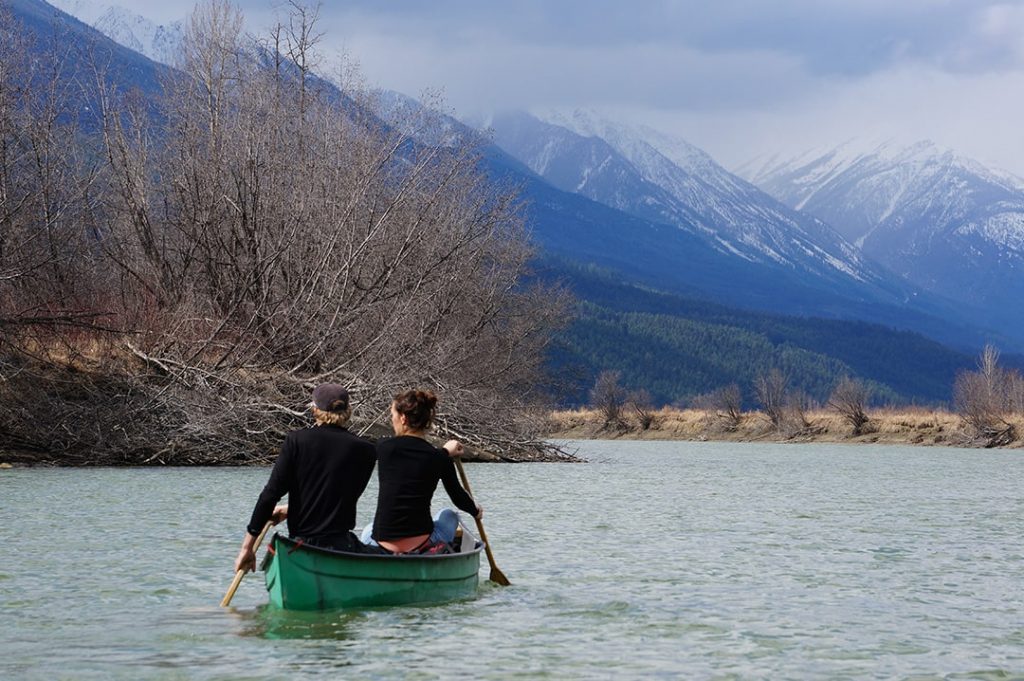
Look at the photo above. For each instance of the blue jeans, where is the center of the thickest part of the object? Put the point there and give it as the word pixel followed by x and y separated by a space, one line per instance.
pixel 445 524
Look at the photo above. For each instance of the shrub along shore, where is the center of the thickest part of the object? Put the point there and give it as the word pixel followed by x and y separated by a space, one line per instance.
pixel 908 426
pixel 180 266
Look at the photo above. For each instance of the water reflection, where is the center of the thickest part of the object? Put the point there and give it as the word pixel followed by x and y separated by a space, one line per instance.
pixel 269 622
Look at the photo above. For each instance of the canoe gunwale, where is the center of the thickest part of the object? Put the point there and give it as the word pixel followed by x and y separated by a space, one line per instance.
pixel 350 555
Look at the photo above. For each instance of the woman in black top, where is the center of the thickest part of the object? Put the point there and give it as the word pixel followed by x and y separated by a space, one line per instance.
pixel 408 469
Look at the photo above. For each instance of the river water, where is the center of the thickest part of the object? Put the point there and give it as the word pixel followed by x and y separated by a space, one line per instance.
pixel 671 560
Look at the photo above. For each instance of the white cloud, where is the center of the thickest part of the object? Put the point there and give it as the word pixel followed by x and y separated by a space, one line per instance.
pixel 995 38
pixel 975 114
pixel 492 72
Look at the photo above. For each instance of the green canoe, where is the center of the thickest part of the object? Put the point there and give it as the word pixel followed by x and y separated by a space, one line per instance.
pixel 301 577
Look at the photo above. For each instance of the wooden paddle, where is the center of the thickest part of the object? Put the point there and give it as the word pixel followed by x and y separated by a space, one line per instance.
pixel 496 576
pixel 241 573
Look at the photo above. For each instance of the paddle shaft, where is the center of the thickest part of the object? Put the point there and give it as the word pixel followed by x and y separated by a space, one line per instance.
pixel 497 576
pixel 241 573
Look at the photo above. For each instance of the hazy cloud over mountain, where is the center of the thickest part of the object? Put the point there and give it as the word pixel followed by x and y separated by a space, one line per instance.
pixel 737 77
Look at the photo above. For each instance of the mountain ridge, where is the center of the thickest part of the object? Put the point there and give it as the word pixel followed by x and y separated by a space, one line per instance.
pixel 730 213
pixel 942 220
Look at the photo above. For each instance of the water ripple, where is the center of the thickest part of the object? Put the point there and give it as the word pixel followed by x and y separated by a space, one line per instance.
pixel 693 560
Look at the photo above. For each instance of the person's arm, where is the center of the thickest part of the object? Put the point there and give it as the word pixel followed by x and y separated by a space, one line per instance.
pixel 365 472
pixel 276 487
pixel 246 559
pixel 265 509
pixel 459 496
pixel 247 554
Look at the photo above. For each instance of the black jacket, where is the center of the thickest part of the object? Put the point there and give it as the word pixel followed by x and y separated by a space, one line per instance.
pixel 323 470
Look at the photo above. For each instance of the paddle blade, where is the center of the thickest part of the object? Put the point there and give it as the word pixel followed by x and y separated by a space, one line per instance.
pixel 498 577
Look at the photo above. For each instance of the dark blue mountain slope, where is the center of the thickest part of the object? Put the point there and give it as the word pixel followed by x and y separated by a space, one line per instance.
pixel 85 50
pixel 678 347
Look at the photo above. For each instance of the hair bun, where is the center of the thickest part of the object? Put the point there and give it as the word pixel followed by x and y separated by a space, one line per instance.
pixel 417 406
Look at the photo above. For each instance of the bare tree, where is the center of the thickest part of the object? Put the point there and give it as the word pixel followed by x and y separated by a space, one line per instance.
pixel 988 364
pixel 643 406
pixel 771 391
pixel 1015 392
pixel 300 40
pixel 849 399
pixel 47 177
pixel 609 398
pixel 798 403
pixel 255 235
pixel 726 403
pixel 983 400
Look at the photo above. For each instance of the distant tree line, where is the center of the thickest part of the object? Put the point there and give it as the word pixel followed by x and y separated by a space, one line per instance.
pixel 677 359
pixel 986 401
pixel 176 274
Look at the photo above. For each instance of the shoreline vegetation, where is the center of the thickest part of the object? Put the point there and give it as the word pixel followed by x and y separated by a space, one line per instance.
pixel 900 425
pixel 111 408
pixel 988 411
pixel 180 265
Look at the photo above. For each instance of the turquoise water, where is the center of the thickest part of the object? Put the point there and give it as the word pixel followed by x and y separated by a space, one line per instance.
pixel 672 560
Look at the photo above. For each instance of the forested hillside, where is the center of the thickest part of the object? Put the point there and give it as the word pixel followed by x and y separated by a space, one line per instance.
pixel 678 348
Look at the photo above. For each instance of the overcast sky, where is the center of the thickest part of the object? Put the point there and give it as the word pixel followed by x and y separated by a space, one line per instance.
pixel 739 78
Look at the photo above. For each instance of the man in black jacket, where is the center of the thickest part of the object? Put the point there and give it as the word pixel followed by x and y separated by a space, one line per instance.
pixel 323 470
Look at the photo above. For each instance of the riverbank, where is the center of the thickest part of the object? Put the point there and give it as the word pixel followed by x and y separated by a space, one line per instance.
pixel 10 458
pixel 909 426
pixel 114 405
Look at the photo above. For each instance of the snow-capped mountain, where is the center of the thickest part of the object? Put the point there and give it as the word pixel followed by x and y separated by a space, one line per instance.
pixel 659 178
pixel 585 165
pixel 945 222
pixel 161 43
pixel 420 121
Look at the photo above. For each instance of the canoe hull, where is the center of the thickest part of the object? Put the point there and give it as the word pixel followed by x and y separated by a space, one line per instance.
pixel 301 577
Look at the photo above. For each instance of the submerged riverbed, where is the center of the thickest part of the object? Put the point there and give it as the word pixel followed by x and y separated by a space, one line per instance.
pixel 679 559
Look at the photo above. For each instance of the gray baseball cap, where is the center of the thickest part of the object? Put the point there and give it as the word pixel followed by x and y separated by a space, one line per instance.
pixel 326 397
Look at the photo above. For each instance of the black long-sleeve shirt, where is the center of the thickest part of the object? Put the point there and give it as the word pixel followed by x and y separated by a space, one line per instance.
pixel 323 470
pixel 408 469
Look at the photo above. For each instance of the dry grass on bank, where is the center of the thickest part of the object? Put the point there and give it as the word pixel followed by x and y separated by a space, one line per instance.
pixel 918 426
